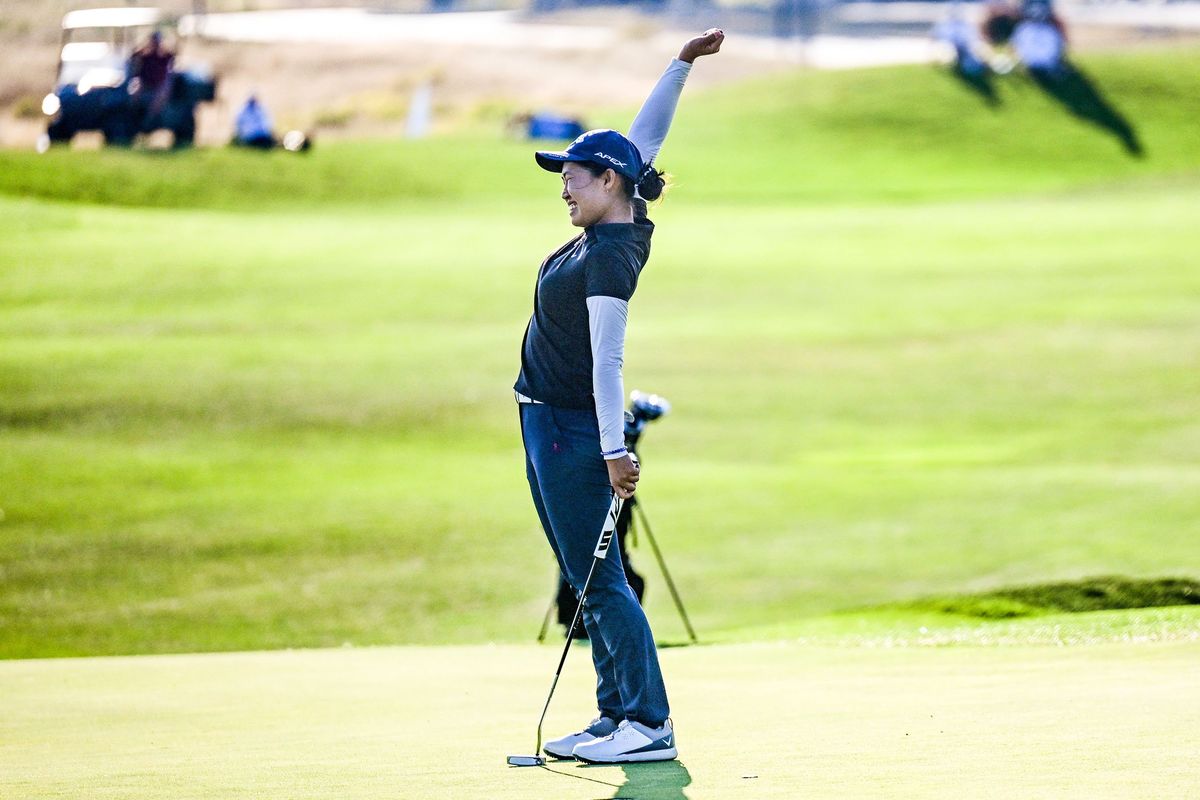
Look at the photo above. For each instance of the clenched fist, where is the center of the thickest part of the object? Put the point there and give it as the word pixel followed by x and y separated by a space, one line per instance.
pixel 706 44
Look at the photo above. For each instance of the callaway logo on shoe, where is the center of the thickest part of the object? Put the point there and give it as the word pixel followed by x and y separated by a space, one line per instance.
pixel 631 741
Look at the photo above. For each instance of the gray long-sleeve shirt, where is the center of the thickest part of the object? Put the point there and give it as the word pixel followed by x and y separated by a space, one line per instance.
pixel 607 316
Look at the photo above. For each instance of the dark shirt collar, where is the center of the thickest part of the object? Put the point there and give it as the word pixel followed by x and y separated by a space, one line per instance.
pixel 637 231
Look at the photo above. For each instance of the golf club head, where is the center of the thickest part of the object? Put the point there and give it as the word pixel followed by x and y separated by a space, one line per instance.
pixel 526 761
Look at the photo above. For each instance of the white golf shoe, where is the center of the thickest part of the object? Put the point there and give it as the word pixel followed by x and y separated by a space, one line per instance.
pixel 598 728
pixel 631 741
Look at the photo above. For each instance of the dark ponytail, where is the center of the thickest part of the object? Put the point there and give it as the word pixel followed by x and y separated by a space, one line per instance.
pixel 650 183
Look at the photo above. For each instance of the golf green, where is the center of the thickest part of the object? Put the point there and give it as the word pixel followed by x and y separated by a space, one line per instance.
pixel 753 720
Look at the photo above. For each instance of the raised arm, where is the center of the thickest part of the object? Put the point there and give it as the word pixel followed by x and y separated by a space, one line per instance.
pixel 650 127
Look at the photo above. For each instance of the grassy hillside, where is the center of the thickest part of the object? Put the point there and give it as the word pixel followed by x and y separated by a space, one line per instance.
pixel 231 430
pixel 910 133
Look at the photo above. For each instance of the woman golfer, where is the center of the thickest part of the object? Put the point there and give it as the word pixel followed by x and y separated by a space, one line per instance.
pixel 571 402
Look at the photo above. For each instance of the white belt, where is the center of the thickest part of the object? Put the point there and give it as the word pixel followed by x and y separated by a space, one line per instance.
pixel 523 399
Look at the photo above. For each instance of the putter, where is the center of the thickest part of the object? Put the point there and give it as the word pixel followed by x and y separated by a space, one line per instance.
pixel 601 551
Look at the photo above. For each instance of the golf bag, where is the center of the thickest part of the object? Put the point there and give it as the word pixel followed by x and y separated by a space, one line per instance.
pixel 644 409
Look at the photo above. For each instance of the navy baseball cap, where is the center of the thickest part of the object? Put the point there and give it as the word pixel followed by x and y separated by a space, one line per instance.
pixel 605 147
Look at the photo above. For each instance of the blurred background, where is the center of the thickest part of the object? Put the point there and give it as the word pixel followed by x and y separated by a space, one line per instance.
pixel 350 69
pixel 924 300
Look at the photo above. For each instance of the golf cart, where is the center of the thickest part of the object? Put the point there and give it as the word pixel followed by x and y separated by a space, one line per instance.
pixel 98 88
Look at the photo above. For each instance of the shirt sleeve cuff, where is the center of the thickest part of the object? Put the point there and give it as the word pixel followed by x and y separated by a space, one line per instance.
pixel 612 455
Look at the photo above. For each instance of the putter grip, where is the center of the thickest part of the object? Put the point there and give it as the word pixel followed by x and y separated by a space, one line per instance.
pixel 610 527
pixel 610 522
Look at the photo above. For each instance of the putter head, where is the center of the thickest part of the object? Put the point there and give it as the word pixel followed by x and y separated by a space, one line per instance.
pixel 526 761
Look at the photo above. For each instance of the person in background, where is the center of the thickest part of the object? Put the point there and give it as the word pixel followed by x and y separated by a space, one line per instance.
pixel 1039 41
pixel 151 66
pixel 969 67
pixel 253 128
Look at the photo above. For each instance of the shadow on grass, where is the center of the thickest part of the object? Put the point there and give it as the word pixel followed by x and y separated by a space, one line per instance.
pixel 666 645
pixel 573 771
pixel 1080 95
pixel 658 780
pixel 980 82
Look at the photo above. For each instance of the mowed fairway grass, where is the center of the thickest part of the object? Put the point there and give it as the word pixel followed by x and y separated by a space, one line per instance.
pixel 915 347
pixel 268 419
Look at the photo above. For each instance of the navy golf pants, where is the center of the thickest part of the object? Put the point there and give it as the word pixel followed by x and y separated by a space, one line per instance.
pixel 571 492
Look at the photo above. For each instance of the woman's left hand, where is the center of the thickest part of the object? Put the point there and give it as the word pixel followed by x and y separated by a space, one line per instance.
pixel 706 44
pixel 623 474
